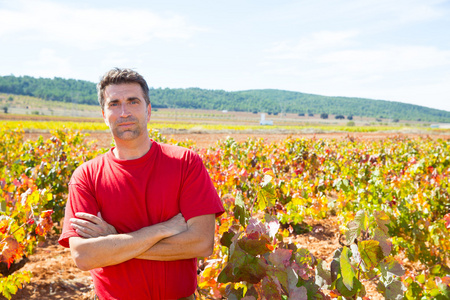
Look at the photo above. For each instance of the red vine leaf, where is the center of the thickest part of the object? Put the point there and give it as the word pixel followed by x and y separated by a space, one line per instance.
pixel 11 250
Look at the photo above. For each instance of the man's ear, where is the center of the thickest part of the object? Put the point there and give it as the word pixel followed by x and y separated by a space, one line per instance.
pixel 149 112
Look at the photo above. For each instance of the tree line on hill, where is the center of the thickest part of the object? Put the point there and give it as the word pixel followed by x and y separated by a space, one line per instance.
pixel 268 100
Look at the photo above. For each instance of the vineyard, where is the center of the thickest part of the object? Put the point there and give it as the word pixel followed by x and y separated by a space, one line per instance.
pixel 390 198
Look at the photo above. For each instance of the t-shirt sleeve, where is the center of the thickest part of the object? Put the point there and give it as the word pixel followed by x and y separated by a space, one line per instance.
pixel 198 194
pixel 80 199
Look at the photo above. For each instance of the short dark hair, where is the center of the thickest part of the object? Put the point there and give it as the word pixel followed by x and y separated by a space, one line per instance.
pixel 120 76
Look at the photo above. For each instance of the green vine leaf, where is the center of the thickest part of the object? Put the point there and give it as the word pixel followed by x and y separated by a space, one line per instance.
pixel 395 290
pixel 255 247
pixel 371 253
pixel 323 276
pixel 280 275
pixel 347 271
pixel 267 195
pixel 240 212
pixel 335 265
pixel 389 267
pixel 383 238
pixel 358 288
pixel 360 223
pixel 337 279
pixel 242 267
pixel 356 257
pixel 382 219
pixel 227 237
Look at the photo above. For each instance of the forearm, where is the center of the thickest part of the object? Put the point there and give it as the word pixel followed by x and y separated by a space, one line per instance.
pixel 185 245
pixel 196 241
pixel 102 251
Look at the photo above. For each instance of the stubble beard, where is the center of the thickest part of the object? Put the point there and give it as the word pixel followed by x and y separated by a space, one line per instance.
pixel 127 134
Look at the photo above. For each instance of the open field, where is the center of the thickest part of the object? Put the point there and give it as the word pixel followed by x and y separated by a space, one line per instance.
pixel 213 117
pixel 206 127
pixel 27 108
pixel 205 140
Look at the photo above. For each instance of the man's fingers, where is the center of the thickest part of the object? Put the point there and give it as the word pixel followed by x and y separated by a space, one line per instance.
pixel 92 229
pixel 89 225
pixel 84 223
pixel 89 217
pixel 83 231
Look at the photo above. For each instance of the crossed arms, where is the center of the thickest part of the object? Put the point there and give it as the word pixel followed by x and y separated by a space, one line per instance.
pixel 100 245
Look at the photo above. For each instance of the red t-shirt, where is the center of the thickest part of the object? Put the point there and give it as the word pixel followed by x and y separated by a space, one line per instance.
pixel 132 194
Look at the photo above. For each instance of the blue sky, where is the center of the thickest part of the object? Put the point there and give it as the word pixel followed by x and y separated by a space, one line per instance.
pixel 391 50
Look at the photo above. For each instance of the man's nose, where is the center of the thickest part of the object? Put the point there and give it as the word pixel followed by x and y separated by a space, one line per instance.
pixel 124 112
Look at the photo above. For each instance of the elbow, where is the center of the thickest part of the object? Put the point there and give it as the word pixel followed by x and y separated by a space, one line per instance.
pixel 207 248
pixel 208 252
pixel 83 267
pixel 81 255
pixel 82 262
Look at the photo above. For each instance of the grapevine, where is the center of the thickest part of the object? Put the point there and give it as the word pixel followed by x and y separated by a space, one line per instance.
pixel 391 198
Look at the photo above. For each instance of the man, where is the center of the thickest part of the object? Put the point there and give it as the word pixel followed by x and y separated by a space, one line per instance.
pixel 139 215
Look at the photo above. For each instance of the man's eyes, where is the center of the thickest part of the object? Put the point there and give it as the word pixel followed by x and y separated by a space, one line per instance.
pixel 114 104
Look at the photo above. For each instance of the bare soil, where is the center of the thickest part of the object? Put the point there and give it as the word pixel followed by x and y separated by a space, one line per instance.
pixel 55 276
pixel 207 139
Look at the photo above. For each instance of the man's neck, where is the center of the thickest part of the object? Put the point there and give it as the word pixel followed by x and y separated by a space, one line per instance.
pixel 129 150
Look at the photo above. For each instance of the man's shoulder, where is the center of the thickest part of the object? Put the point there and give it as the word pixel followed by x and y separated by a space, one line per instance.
pixel 176 152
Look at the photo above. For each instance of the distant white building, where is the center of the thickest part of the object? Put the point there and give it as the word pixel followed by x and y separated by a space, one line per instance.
pixel 263 120
pixel 442 125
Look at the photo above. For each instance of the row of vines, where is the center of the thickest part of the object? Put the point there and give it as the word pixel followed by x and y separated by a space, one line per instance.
pixel 391 197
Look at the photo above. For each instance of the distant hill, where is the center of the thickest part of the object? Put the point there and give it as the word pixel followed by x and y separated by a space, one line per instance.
pixel 269 101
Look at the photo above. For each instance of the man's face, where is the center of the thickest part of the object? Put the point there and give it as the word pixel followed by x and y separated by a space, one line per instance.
pixel 125 111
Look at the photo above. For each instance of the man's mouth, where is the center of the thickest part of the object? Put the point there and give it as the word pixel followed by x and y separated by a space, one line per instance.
pixel 126 124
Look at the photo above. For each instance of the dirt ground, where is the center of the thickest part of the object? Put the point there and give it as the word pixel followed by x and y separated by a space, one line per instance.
pixel 56 277
pixel 204 140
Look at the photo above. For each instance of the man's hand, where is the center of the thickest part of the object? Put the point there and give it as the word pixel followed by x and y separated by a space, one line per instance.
pixel 90 226
pixel 175 225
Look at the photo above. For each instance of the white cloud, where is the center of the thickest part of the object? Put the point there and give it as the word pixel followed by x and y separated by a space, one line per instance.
pixel 308 46
pixel 386 59
pixel 48 65
pixel 89 28
pixel 340 53
pixel 416 11
pixel 116 58
pixel 390 12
